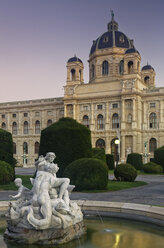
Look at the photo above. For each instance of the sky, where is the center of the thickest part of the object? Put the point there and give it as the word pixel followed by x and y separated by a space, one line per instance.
pixel 37 37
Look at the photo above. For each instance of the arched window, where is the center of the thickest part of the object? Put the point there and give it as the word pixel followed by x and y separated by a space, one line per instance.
pixel 14 128
pixel 14 148
pixel 100 143
pixel 129 118
pixel 25 127
pixel 115 121
pixel 80 75
pixel 153 120
pixel 37 127
pixel 73 75
pixel 105 68
pixel 121 67
pixel 93 71
pixel 152 144
pixel 3 125
pixel 49 123
pixel 146 79
pixel 25 148
pixel 100 122
pixel 86 121
pixel 130 67
pixel 36 148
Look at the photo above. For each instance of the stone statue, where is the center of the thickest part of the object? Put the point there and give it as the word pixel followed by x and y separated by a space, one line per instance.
pixel 45 209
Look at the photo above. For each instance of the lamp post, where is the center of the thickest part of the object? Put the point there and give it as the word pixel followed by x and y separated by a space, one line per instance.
pixel 24 158
pixel 117 142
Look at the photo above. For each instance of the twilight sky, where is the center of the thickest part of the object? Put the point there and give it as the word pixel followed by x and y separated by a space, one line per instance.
pixel 37 37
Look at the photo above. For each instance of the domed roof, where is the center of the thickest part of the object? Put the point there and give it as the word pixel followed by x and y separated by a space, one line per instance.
pixel 74 59
pixel 131 50
pixel 111 38
pixel 147 67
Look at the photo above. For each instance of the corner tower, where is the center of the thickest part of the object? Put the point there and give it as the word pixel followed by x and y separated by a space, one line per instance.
pixel 75 70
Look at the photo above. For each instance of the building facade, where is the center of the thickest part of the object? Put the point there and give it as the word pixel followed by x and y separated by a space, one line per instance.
pixel 120 101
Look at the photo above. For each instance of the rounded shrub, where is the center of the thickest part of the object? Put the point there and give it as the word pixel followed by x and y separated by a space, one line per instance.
pixel 125 172
pixel 152 168
pixel 6 173
pixel 87 174
pixel 110 161
pixel 159 156
pixel 68 139
pixel 135 159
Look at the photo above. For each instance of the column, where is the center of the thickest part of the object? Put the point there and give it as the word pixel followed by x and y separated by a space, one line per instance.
pixel 107 116
pixel 74 111
pixel 92 117
pixel 65 110
pixel 122 155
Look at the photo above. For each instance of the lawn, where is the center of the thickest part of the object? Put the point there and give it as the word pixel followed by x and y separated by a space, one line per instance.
pixel 112 185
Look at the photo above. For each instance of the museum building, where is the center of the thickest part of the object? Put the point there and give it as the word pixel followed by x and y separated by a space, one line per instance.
pixel 120 102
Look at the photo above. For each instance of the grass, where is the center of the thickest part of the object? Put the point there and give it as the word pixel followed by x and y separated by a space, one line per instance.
pixel 12 186
pixel 111 172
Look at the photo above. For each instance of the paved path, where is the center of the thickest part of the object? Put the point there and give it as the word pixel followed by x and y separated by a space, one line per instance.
pixel 151 194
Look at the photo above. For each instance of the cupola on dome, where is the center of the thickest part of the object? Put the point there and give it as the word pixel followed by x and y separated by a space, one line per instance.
pixel 131 50
pixel 111 38
pixel 147 67
pixel 74 59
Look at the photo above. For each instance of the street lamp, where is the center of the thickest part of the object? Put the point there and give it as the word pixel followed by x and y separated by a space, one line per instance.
pixel 117 142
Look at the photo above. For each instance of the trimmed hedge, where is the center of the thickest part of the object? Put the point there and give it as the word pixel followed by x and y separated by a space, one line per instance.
pixel 135 159
pixel 110 161
pixel 68 139
pixel 152 168
pixel 6 173
pixel 159 156
pixel 87 174
pixel 125 172
pixel 99 153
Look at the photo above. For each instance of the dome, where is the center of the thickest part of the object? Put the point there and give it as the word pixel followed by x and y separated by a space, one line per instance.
pixel 147 67
pixel 74 59
pixel 131 50
pixel 112 38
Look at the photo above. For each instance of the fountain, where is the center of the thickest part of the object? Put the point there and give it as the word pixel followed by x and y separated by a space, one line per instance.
pixel 45 214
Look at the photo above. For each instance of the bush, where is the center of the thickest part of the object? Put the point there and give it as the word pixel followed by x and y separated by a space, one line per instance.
pixel 99 153
pixel 125 172
pixel 87 174
pixel 110 161
pixel 6 173
pixel 159 156
pixel 68 139
pixel 135 159
pixel 152 168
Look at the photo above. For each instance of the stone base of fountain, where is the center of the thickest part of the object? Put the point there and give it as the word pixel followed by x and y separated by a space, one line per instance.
pixel 44 237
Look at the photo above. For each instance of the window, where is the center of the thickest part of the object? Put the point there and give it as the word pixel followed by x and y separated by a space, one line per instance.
pixel 25 127
pixel 93 71
pixel 105 39
pixel 129 118
pixel 37 127
pixel 36 148
pixel 115 105
pixel 49 123
pixel 14 115
pixel 152 144
pixel 99 106
pixel 85 108
pixel 37 113
pixel 130 67
pixel 25 148
pixel 25 114
pixel 73 75
pixel 14 128
pixel 100 122
pixel 115 121
pixel 100 143
pixel 86 121
pixel 3 116
pixel 153 120
pixel 147 79
pixel 121 67
pixel 105 68
pixel 152 105
pixel 14 148
pixel 3 126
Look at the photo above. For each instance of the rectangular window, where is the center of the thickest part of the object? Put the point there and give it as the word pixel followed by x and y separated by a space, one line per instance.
pixel 3 116
pixel 99 106
pixel 115 105
pixel 85 108
pixel 152 105
pixel 14 115
pixel 25 114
